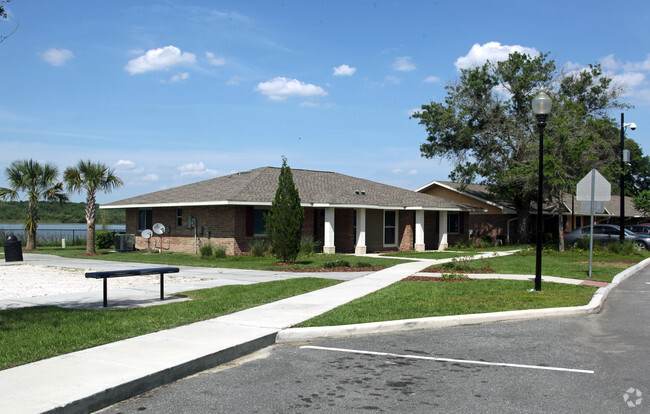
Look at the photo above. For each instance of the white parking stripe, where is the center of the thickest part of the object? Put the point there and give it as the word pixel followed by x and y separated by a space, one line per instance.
pixel 461 361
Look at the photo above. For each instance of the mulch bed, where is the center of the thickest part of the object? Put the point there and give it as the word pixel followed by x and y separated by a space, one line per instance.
pixel 443 270
pixel 433 279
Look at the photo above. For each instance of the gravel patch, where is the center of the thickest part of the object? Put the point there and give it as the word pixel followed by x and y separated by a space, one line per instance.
pixel 27 280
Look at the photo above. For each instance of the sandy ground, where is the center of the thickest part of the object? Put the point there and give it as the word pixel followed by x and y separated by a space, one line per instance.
pixel 26 280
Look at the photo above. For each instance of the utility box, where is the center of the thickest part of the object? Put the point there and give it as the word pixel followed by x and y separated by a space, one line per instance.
pixel 13 249
pixel 124 242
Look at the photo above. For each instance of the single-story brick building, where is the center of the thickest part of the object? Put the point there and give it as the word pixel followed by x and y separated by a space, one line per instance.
pixel 345 214
pixel 498 217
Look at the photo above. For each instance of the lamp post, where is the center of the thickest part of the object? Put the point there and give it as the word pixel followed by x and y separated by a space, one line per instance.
pixel 541 108
pixel 624 126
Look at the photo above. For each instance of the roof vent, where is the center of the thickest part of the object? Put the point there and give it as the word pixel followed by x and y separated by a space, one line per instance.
pixel 360 192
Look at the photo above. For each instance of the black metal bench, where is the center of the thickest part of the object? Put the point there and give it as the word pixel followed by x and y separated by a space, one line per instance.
pixel 134 272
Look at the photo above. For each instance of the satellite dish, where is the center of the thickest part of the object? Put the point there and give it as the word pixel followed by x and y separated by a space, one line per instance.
pixel 158 228
pixel 147 234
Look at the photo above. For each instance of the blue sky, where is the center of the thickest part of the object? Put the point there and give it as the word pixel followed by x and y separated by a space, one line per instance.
pixel 169 93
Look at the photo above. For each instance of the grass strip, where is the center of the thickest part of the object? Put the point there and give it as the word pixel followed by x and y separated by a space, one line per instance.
pixel 570 264
pixel 304 262
pixel 406 300
pixel 31 334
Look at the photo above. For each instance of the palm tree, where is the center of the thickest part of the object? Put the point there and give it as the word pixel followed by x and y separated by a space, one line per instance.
pixel 37 182
pixel 91 177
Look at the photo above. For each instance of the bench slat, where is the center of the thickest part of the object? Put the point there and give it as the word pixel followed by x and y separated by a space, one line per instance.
pixel 132 272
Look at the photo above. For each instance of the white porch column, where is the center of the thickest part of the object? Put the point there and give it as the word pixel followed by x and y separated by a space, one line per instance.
pixel 329 248
pixel 360 248
pixel 419 231
pixel 442 231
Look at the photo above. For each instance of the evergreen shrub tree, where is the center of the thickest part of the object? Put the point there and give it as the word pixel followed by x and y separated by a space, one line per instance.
pixel 285 218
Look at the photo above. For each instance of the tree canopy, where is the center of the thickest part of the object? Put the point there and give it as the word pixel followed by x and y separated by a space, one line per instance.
pixel 90 177
pixel 38 182
pixel 486 128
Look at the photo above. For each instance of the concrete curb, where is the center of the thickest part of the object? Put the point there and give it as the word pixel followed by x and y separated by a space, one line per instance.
pixel 342 331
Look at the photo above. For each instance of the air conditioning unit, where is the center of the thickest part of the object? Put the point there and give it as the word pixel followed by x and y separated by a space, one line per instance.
pixel 124 242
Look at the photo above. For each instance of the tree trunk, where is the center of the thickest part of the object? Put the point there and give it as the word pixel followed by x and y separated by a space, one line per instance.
pixel 31 225
pixel 90 224
pixel 523 218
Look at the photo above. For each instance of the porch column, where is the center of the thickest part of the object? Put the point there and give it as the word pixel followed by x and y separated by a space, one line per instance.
pixel 329 248
pixel 442 231
pixel 360 248
pixel 419 231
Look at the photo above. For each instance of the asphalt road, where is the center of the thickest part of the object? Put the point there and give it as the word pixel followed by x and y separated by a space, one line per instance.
pixel 560 365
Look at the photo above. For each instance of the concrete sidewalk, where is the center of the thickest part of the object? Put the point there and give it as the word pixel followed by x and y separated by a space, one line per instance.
pixel 94 378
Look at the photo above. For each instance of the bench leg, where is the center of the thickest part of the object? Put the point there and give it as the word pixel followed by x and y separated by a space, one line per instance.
pixel 162 286
pixel 105 295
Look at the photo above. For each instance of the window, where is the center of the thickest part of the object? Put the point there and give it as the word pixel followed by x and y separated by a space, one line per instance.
pixel 145 220
pixel 259 221
pixel 179 217
pixel 453 223
pixel 390 229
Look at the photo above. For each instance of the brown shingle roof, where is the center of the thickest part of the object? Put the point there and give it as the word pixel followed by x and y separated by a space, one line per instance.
pixel 258 186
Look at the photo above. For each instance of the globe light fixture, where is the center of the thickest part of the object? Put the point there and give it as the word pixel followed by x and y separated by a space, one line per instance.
pixel 542 104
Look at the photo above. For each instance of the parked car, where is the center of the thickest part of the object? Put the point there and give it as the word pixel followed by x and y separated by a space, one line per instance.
pixel 639 228
pixel 606 233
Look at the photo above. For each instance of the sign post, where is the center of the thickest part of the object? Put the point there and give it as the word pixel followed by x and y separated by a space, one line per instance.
pixel 593 188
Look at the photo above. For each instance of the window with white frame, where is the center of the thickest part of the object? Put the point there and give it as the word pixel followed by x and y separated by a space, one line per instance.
pixel 390 228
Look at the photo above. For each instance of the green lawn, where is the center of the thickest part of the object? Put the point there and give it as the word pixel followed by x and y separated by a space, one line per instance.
pixel 31 334
pixel 406 300
pixel 571 264
pixel 305 263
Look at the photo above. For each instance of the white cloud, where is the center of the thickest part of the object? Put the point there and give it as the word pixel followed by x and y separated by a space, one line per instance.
pixel 179 77
pixel 638 66
pixel 196 169
pixel 396 171
pixel 234 80
pixel 124 165
pixel 159 59
pixel 150 178
pixel 344 70
pixel 609 63
pixel 393 79
pixel 57 57
pixel 492 51
pixel 432 79
pixel 281 88
pixel 412 172
pixel 404 64
pixel 213 60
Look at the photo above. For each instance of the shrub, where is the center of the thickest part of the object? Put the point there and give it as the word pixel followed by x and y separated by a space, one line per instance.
pixel 258 247
pixel 336 263
pixel 453 276
pixel 220 252
pixel 104 240
pixel 458 265
pixel 206 250
pixel 364 264
pixel 308 246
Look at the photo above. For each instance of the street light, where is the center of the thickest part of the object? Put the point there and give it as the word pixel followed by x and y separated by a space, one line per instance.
pixel 541 108
pixel 624 126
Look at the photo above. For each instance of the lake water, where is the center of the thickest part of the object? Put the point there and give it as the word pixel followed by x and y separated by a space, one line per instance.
pixel 56 231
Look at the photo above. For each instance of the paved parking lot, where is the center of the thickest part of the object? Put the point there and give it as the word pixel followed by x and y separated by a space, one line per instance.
pixel 595 364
